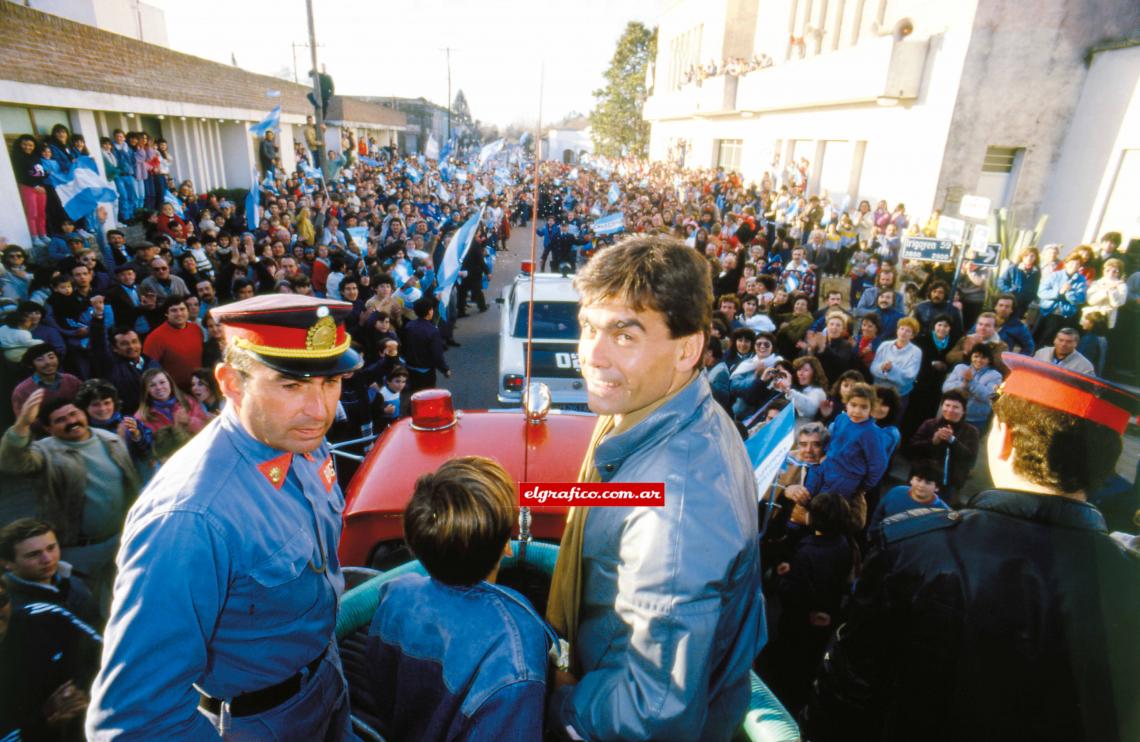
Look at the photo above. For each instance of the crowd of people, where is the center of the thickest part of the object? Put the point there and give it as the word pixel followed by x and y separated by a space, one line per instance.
pixel 888 364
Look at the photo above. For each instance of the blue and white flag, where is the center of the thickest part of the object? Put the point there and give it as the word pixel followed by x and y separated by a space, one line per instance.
pixel 524 138
pixel 595 210
pixel 422 161
pixel 359 237
pixel 610 224
pixel 369 161
pixel 271 121
pixel 768 447
pixel 452 260
pixel 82 188
pixel 792 283
pixel 431 149
pixel 413 174
pixel 310 172
pixel 490 150
pixel 481 190
pixel 443 193
pixel 614 194
pixel 252 200
pixel 573 174
pixel 448 146
pixel 176 202
pixel 460 175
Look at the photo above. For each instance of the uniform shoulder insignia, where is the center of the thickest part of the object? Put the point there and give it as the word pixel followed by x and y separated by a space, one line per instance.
pixel 916 522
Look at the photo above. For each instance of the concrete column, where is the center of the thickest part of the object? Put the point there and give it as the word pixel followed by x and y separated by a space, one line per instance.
pixel 238 156
pixel 13 221
pixel 180 148
pixel 285 148
pixel 216 148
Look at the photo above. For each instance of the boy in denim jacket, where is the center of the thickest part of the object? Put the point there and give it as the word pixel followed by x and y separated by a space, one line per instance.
pixel 455 656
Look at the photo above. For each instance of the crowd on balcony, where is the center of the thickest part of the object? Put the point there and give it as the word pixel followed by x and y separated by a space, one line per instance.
pixel 734 66
pixel 108 338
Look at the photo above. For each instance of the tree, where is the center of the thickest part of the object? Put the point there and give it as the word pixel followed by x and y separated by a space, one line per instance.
pixel 616 122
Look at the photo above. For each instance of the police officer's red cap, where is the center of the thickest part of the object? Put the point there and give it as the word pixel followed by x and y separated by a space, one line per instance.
pixel 1049 385
pixel 296 335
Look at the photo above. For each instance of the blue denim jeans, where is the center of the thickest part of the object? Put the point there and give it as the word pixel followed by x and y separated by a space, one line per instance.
pixel 128 199
pixel 319 711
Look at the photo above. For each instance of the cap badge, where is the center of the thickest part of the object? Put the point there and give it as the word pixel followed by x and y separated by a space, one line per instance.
pixel 322 334
pixel 275 475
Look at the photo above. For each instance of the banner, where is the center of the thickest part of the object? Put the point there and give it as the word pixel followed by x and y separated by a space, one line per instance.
pixel 610 224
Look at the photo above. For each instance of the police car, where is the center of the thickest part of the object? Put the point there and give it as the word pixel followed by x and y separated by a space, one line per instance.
pixel 554 351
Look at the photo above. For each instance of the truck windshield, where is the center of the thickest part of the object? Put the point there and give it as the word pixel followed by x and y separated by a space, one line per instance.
pixel 553 320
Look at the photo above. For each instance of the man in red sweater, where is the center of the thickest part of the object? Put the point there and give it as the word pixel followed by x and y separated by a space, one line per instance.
pixel 177 343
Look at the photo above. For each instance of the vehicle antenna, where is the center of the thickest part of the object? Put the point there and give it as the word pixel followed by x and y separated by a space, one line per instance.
pixel 524 512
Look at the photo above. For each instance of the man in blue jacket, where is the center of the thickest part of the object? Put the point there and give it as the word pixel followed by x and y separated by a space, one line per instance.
pixel 661 605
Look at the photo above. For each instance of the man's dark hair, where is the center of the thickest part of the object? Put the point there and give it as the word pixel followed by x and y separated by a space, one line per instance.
pixel 96 390
pixel 1112 237
pixel 1002 296
pixel 1055 449
pixel 938 283
pixel 957 395
pixel 172 301
pixel 239 284
pixel 117 331
pixel 830 514
pixel 21 530
pixel 49 408
pixel 658 273
pixel 459 519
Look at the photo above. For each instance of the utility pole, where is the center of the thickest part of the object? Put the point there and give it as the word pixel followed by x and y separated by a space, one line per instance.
pixel 302 45
pixel 448 50
pixel 319 115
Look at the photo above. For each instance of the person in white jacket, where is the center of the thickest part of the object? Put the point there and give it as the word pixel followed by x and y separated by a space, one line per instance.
pixel 897 363
pixel 1108 293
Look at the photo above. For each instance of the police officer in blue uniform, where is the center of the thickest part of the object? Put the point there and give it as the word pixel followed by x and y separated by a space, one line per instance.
pixel 1015 618
pixel 228 581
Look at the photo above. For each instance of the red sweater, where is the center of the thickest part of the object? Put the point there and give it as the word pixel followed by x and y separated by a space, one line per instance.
pixel 179 352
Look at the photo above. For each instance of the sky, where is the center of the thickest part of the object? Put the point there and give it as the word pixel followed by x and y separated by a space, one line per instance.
pixel 379 48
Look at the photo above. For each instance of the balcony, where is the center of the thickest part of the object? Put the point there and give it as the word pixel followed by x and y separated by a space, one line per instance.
pixel 880 68
pixel 710 97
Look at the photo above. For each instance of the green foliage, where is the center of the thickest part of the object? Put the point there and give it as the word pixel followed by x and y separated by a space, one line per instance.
pixel 616 121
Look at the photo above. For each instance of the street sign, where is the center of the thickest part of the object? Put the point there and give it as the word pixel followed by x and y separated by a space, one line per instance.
pixel 951 229
pixel 987 256
pixel 927 248
pixel 974 207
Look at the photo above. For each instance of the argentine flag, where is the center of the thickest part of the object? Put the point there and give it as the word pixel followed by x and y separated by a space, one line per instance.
pixel 413 174
pixel 252 200
pixel 82 188
pixel 271 121
pixel 431 149
pixel 174 201
pixel 481 191
pixel 768 447
pixel 610 224
pixel 490 150
pixel 442 193
pixel 453 257
pixel 614 193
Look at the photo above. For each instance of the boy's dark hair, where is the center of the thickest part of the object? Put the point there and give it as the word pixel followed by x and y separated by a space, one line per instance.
pixel 423 306
pixel 21 530
pixel 96 390
pixel 397 372
pixel 60 279
pixel 459 519
pixel 830 514
pixel 713 346
pixel 927 470
pixel 864 391
pixel 955 394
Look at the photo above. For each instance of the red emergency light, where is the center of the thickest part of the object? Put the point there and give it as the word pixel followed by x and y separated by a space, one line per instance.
pixel 432 410
pixel 526 267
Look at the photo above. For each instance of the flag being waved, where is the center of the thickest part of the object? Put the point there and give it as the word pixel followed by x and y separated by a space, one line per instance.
pixel 610 224
pixel 271 121
pixel 81 189
pixel 453 257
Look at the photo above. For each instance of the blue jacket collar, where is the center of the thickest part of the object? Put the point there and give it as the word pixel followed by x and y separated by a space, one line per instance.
pixel 661 424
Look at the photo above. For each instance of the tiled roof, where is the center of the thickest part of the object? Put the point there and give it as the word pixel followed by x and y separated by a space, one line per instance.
pixel 43 49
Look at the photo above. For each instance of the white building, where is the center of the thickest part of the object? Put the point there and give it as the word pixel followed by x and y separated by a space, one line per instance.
pixel 568 141
pixel 132 18
pixel 95 81
pixel 915 101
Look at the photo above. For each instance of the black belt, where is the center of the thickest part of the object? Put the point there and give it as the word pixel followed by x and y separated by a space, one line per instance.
pixel 260 701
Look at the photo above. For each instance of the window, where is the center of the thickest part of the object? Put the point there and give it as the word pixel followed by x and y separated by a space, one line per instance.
pixel 553 320
pixel 728 153
pixel 17 120
pixel 1000 159
pixel 684 53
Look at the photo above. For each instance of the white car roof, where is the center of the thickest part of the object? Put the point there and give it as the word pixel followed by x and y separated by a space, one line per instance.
pixel 547 287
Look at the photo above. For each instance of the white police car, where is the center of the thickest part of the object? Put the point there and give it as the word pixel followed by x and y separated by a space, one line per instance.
pixel 554 357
